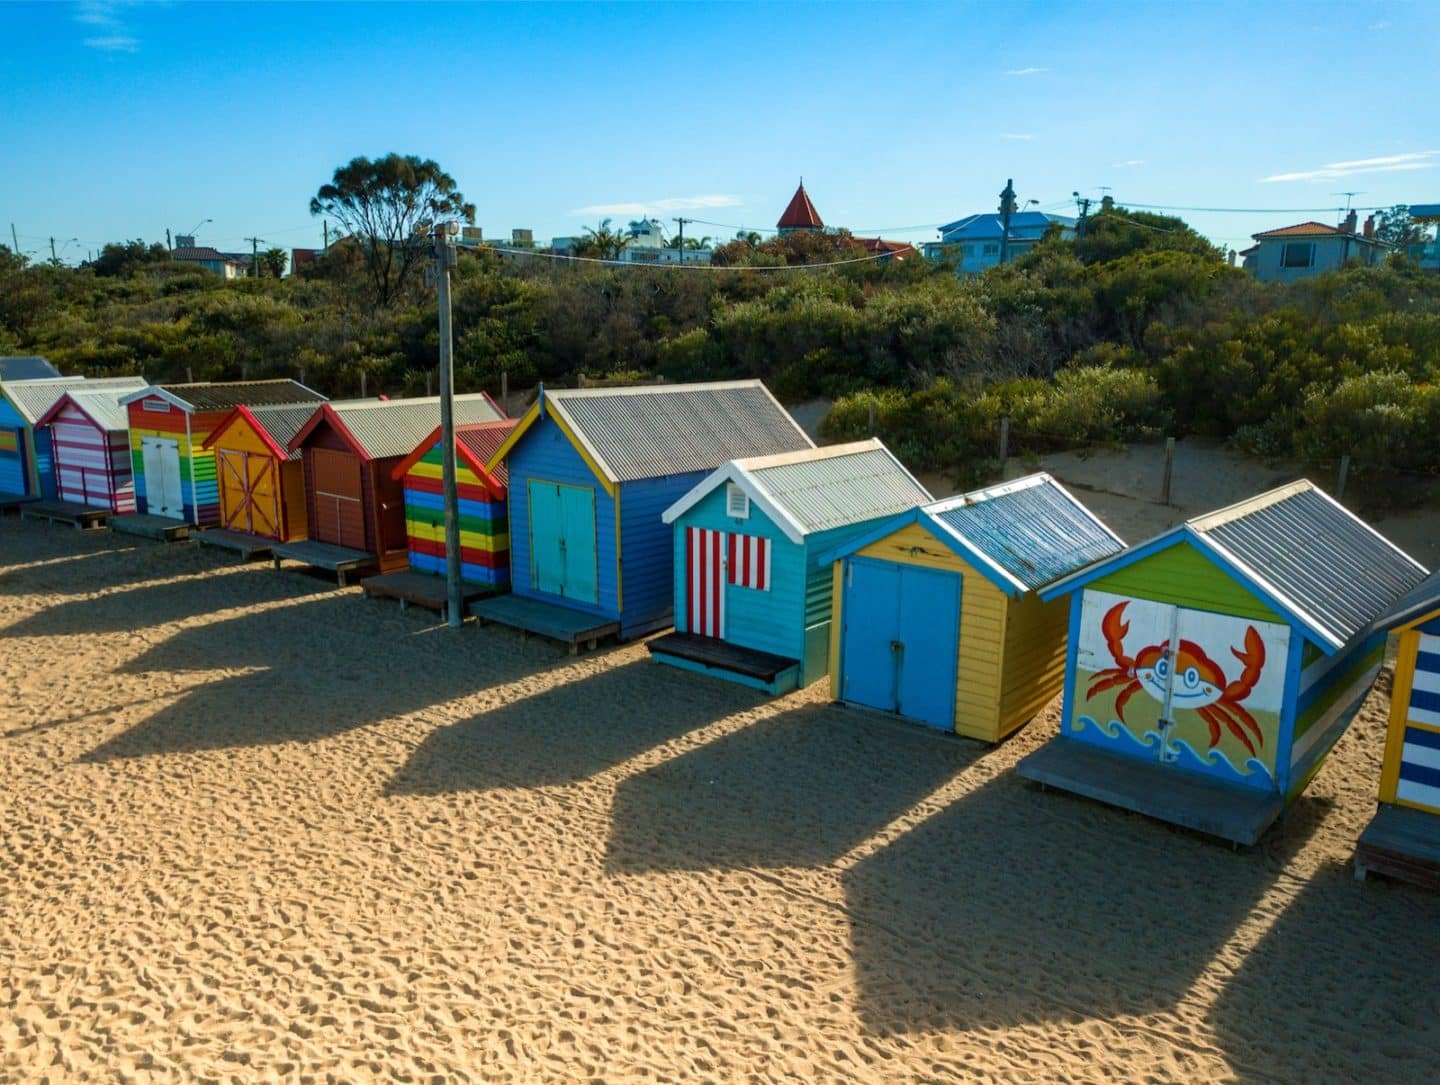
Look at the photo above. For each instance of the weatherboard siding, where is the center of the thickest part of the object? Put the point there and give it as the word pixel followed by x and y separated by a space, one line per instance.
pixel 16 450
pixel 1331 689
pixel 1185 576
pixel 1036 635
pixel 484 526
pixel 647 560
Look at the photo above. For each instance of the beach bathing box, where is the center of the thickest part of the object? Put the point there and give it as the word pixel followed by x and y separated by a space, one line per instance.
pixel 752 600
pixel 175 474
pixel 90 444
pixel 26 465
pixel 1212 668
pixel 484 527
pixel 937 617
pixel 350 450
pixel 591 473
pixel 261 483
pixel 1403 840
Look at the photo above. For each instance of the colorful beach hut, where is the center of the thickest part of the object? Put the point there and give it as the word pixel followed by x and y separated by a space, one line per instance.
pixel 1403 839
pixel 261 483
pixel 90 442
pixel 1211 669
pixel 484 527
pixel 752 600
pixel 175 474
pixel 26 465
pixel 350 450
pixel 938 617
pixel 591 473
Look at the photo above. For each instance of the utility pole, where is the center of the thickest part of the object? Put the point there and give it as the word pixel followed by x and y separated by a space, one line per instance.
pixel 444 261
pixel 14 240
pixel 53 258
pixel 254 256
pixel 326 224
pixel 681 221
pixel 1007 208
pixel 169 245
pixel 1084 213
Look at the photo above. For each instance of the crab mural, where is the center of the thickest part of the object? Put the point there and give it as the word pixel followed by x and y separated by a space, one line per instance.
pixel 1190 677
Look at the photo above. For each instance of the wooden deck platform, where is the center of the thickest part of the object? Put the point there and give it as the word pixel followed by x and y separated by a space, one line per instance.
pixel 1401 843
pixel 159 528
pixel 248 547
pixel 1231 812
pixel 340 560
pixel 12 502
pixel 712 654
pixel 84 517
pixel 550 620
pixel 423 589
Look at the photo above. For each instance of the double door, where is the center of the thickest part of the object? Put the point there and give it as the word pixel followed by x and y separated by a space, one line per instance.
pixel 339 499
pixel 563 558
pixel 249 492
pixel 164 494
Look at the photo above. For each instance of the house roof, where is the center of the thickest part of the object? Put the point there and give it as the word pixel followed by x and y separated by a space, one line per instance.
pixel 275 425
pixel 800 213
pixel 32 398
pixel 1313 229
pixel 225 395
pixel 101 406
pixel 1417 605
pixel 205 254
pixel 668 429
pixel 987 226
pixel 879 246
pixel 379 429
pixel 816 489
pixel 1299 550
pixel 26 367
pixel 475 443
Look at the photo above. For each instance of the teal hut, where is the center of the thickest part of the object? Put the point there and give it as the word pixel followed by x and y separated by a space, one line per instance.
pixel 591 472
pixel 752 599
pixel 27 463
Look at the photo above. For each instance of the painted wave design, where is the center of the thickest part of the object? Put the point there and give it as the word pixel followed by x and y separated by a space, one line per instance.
pixel 1179 752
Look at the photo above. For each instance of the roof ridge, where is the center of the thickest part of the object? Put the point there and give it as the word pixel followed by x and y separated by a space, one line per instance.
pixel 1240 509
pixel 810 455
pixel 649 389
pixel 989 493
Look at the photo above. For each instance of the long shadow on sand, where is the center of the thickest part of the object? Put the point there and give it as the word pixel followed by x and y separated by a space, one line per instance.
pixel 327 664
pixel 798 789
pixel 68 572
pixel 1011 907
pixel 1358 966
pixel 567 733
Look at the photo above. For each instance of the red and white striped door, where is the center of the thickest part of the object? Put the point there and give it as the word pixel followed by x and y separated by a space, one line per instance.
pixel 705 576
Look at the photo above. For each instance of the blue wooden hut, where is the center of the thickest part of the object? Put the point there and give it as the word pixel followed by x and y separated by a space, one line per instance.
pixel 1211 669
pixel 752 600
pixel 27 465
pixel 591 472
pixel 937 614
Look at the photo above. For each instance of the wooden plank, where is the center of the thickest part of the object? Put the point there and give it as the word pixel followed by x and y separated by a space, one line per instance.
pixel 12 502
pixel 549 620
pixel 423 589
pixel 340 560
pixel 145 526
pixel 1237 814
pixel 247 546
pixel 83 517
pixel 1401 843
pixel 722 655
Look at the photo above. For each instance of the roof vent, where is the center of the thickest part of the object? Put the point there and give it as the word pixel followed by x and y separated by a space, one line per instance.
pixel 737 502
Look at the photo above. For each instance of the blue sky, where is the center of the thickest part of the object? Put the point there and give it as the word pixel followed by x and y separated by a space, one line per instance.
pixel 123 119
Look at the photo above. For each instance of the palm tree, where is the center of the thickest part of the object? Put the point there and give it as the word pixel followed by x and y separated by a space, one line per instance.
pixel 601 242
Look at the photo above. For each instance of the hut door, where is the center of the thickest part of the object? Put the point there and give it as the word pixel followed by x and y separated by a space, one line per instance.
pixel 705 580
pixel 249 492
pixel 160 457
pixel 339 519
pixel 562 540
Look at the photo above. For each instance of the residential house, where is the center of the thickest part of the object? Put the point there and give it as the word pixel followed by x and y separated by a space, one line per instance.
pixel 1311 248
pixel 800 215
pixel 226 265
pixel 974 242
pixel 645 244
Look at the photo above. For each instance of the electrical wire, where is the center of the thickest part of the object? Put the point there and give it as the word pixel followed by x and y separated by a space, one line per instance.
pixel 685 267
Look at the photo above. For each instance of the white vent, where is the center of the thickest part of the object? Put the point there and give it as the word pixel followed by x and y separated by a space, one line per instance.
pixel 156 404
pixel 737 502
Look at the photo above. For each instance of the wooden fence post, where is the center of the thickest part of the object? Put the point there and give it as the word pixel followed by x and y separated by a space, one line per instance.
pixel 1004 439
pixel 505 390
pixel 1169 467
pixel 429 381
pixel 363 383
pixel 189 375
pixel 1344 476
pixel 872 418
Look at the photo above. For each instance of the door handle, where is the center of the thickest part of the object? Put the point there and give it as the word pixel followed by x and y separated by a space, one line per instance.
pixel 897 645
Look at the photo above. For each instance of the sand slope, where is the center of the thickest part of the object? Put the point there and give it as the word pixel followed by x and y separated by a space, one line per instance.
pixel 258 829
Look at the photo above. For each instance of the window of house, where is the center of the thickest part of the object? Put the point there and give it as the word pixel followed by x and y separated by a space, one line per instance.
pixel 1298 254
pixel 992 248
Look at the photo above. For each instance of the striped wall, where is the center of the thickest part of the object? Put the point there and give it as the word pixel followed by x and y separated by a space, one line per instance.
pixel 1412 754
pixel 91 465
pixel 1331 689
pixel 484 527
pixel 197 464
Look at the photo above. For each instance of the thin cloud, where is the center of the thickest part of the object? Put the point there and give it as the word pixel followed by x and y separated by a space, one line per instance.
pixel 1017 135
pixel 669 203
pixel 1026 71
pixel 1128 162
pixel 114 43
pixel 105 16
pixel 1333 171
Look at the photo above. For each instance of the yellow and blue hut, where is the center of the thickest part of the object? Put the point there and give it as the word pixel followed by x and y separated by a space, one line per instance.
pixel 938 618
pixel 1212 668
pixel 1403 839
pixel 752 599
pixel 27 463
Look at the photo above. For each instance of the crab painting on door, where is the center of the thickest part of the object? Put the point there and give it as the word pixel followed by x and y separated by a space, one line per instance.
pixel 1210 704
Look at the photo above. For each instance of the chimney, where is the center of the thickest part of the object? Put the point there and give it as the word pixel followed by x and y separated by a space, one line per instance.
pixel 1107 203
pixel 1348 226
pixel 1369 225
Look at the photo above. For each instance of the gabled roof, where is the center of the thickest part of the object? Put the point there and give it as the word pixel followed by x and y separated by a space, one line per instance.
pixel 378 429
pixel 1418 605
pixel 800 213
pixel 275 425
pixel 225 395
pixel 652 431
pixel 1020 535
pixel 1299 550
pixel 988 225
pixel 475 443
pixel 26 367
pixel 32 398
pixel 101 406
pixel 1314 229
pixel 816 489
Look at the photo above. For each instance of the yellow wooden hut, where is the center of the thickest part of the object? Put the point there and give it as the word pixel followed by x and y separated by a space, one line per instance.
pixel 261 483
pixel 936 613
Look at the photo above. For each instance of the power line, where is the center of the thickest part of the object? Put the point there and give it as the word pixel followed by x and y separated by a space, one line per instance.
pixel 870 258
pixel 1242 210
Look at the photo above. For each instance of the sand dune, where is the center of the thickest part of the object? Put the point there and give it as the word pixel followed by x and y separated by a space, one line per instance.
pixel 258 829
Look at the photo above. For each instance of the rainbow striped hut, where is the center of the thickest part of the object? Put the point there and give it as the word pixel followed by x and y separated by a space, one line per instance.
pixel 90 440
pixel 484 529
pixel 175 474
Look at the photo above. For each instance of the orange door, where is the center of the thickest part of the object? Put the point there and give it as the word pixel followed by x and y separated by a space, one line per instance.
pixel 339 517
pixel 249 493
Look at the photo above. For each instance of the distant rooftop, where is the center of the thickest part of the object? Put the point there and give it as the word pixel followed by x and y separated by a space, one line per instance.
pixel 800 213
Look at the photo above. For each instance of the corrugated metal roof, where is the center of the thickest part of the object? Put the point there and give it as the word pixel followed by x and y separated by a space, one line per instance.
pixel 1031 528
pixel 1416 603
pixel 102 406
pixel 481 439
pixel 661 430
pixel 26 367
pixel 283 421
pixel 223 395
pixel 33 398
pixel 824 488
pixel 1337 573
pixel 393 427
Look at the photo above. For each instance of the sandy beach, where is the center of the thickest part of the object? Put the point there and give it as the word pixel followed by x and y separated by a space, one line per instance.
pixel 258 829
